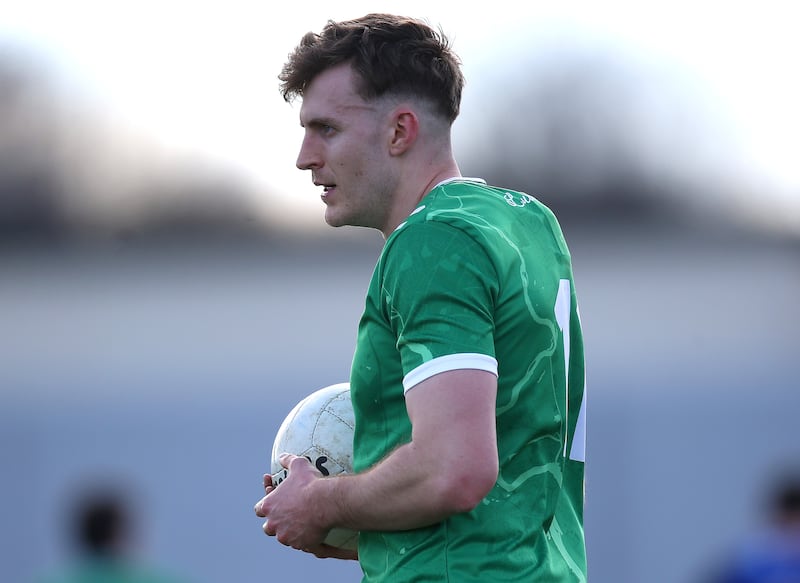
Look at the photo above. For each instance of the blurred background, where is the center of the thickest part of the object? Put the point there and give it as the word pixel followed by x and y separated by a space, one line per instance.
pixel 168 288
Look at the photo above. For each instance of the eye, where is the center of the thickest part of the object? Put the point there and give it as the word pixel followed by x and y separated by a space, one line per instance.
pixel 322 128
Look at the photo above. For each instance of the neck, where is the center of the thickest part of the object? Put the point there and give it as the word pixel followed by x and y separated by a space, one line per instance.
pixel 416 188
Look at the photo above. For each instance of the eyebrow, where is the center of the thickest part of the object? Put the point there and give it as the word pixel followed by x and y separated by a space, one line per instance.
pixel 319 121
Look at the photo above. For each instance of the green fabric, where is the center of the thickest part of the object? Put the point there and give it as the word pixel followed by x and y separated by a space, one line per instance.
pixel 107 571
pixel 482 272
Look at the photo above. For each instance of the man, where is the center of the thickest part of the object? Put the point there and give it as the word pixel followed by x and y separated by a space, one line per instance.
pixel 772 553
pixel 467 380
pixel 102 530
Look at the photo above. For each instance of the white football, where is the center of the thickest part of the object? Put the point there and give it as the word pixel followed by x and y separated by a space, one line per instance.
pixel 320 427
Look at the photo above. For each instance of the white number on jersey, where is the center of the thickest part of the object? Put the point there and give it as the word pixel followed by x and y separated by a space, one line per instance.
pixel 562 312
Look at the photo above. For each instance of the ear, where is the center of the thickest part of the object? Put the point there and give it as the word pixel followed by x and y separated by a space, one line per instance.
pixel 405 129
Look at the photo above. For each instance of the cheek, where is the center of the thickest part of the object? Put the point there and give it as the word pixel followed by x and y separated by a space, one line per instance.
pixel 356 165
pixel 358 161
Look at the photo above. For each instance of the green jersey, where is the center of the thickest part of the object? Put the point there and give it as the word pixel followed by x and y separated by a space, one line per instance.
pixel 108 570
pixel 479 277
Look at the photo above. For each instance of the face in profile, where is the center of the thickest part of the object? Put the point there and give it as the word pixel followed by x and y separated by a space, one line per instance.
pixel 346 148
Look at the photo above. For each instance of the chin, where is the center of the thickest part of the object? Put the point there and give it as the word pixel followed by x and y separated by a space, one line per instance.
pixel 333 221
pixel 340 219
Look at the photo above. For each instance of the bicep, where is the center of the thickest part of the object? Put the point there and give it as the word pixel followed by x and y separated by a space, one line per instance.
pixel 453 419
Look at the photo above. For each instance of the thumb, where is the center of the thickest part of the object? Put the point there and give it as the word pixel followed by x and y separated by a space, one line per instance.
pixel 286 459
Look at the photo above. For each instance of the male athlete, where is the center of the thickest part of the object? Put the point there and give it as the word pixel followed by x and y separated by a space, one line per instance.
pixel 468 375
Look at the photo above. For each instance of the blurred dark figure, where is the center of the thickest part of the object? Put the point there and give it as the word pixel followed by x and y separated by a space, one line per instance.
pixel 772 556
pixel 101 529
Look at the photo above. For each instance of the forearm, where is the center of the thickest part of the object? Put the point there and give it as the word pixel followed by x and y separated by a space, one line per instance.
pixel 406 490
pixel 448 467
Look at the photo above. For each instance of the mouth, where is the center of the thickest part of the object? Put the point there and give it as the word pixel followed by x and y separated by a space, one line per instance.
pixel 327 189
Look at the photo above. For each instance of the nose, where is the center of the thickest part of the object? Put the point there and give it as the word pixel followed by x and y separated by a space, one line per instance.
pixel 309 157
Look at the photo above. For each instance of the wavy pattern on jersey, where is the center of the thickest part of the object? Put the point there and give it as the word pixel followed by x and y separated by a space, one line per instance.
pixel 481 223
pixel 427 300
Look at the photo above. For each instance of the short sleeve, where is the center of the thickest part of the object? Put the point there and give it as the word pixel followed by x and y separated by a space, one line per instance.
pixel 439 289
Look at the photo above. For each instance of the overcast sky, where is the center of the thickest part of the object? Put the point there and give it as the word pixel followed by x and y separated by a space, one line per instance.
pixel 202 75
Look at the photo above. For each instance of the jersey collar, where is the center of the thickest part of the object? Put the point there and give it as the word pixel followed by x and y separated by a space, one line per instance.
pixel 460 179
pixel 442 183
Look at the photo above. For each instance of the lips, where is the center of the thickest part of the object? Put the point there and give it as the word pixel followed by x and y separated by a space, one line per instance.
pixel 327 189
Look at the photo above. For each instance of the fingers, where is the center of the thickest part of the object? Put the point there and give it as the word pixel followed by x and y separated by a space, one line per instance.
pixel 324 551
pixel 259 510
pixel 267 528
pixel 261 507
pixel 286 459
pixel 268 487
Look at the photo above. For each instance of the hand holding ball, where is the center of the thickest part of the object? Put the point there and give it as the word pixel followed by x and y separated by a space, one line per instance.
pixel 320 428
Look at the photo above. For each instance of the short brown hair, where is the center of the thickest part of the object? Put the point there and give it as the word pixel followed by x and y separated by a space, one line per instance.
pixel 389 54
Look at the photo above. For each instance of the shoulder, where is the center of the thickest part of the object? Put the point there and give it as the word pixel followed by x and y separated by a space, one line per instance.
pixel 472 203
pixel 486 214
pixel 454 203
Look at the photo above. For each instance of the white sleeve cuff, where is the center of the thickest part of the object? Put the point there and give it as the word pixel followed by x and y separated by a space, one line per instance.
pixel 441 364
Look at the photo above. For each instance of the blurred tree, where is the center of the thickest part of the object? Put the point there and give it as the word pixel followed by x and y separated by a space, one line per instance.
pixel 29 188
pixel 67 172
pixel 597 134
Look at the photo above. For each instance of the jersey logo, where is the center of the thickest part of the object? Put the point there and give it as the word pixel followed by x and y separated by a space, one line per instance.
pixel 521 200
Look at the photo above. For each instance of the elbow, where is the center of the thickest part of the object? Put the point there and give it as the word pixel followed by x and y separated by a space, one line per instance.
pixel 461 491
